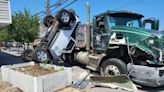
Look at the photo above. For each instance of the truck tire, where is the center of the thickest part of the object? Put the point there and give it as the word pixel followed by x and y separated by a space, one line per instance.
pixel 40 56
pixel 69 58
pixel 65 17
pixel 113 67
pixel 26 55
pixel 48 20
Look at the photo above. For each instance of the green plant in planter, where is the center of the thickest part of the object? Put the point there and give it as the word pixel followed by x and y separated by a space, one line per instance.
pixel 61 69
pixel 45 63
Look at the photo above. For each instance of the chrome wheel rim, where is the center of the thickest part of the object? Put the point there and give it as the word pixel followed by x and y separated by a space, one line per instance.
pixel 42 56
pixel 65 17
pixel 111 70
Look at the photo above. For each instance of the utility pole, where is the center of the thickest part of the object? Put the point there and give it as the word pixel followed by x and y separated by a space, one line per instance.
pixel 47 4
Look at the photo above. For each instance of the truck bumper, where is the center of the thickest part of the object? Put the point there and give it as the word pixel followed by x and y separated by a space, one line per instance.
pixel 147 76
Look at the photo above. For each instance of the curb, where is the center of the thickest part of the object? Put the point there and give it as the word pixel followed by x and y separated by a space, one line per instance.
pixel 16 54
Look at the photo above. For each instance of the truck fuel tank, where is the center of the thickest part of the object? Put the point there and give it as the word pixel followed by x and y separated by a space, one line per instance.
pixel 82 57
pixel 91 60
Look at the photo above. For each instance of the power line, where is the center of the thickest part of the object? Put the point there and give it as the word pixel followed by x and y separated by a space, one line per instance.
pixel 38 13
pixel 56 5
pixel 48 8
pixel 67 5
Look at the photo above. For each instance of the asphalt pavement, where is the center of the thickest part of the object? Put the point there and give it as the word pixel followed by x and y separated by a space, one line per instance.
pixel 6 59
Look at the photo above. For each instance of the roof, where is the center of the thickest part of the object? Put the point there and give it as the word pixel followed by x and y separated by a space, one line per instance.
pixel 122 13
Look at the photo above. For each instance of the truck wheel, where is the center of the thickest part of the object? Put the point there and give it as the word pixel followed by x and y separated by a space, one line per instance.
pixel 113 67
pixel 65 17
pixel 48 20
pixel 27 55
pixel 70 59
pixel 41 56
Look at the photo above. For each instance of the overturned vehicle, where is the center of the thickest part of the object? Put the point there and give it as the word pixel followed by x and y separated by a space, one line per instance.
pixel 117 44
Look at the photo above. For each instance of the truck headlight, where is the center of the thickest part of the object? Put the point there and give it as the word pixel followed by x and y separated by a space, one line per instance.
pixel 150 41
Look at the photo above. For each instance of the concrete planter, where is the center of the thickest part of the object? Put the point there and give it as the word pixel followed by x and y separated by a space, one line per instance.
pixel 45 83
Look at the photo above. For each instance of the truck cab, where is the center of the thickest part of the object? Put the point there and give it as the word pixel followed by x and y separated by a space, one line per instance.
pixel 115 30
pixel 121 43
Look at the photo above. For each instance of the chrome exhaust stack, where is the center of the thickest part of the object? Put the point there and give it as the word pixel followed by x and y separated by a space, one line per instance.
pixel 88 33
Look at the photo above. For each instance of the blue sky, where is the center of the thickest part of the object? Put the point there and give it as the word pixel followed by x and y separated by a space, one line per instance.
pixel 149 8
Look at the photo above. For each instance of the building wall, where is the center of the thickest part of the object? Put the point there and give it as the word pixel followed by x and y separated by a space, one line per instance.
pixel 5 13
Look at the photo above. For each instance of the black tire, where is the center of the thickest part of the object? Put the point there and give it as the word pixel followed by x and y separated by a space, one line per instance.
pixel 69 18
pixel 26 55
pixel 40 59
pixel 115 67
pixel 48 20
pixel 69 58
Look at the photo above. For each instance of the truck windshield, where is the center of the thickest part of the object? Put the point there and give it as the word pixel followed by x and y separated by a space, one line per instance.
pixel 123 21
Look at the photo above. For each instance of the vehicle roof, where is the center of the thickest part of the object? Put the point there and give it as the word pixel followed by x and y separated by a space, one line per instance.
pixel 120 13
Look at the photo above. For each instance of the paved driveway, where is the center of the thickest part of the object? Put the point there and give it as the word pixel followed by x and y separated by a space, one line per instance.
pixel 6 59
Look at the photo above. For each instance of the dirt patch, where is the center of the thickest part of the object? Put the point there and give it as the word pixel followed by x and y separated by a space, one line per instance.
pixel 36 70
pixel 7 87
pixel 4 85
pixel 12 89
pixel 70 89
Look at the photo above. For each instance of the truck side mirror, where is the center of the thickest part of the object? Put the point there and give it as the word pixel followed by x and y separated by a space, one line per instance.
pixel 154 23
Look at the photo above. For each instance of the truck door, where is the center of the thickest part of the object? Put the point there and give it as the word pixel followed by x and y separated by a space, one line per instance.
pixel 99 40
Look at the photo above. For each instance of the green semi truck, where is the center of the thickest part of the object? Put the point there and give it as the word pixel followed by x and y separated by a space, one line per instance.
pixel 122 45
pixel 117 43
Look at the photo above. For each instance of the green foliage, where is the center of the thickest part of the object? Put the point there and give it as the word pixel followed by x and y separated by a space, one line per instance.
pixel 5 36
pixel 45 63
pixel 62 68
pixel 24 28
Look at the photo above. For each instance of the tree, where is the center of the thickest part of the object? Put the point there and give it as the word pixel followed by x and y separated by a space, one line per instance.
pixel 24 27
pixel 5 36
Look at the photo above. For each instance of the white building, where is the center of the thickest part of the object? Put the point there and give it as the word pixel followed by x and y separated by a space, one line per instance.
pixel 5 13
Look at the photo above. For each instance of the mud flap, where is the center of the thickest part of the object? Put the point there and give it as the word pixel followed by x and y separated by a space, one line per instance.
pixel 122 82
